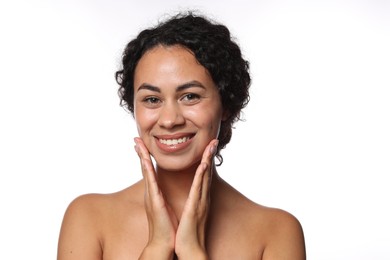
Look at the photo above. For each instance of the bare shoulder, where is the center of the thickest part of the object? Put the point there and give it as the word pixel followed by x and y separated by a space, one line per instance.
pixel 97 204
pixel 79 235
pixel 91 207
pixel 263 232
pixel 87 208
pixel 85 221
pixel 284 232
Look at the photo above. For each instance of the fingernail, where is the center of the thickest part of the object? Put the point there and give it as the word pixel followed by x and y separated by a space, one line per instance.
pixel 214 147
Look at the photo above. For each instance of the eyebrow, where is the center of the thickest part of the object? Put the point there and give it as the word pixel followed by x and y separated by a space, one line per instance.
pixel 190 84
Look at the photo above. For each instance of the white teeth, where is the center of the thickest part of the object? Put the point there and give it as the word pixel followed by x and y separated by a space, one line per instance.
pixel 174 141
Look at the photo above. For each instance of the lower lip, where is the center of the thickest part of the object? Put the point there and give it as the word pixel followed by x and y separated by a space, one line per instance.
pixel 173 148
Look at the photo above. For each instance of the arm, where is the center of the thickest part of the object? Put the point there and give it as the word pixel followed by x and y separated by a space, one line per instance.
pixel 78 238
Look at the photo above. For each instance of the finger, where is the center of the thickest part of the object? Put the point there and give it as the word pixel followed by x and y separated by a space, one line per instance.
pixel 208 159
pixel 148 171
pixel 208 155
pixel 141 149
pixel 201 183
pixel 209 152
pixel 143 160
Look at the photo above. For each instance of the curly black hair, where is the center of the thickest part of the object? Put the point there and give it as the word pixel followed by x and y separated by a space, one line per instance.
pixel 213 47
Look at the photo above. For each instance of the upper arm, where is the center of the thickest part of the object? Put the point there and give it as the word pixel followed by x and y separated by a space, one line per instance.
pixel 79 237
pixel 286 239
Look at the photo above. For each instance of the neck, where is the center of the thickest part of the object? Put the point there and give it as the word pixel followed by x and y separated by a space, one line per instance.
pixel 176 185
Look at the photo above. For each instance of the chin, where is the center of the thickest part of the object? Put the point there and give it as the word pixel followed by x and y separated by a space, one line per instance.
pixel 176 165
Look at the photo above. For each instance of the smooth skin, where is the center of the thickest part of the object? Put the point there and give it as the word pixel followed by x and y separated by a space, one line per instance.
pixel 166 233
pixel 182 207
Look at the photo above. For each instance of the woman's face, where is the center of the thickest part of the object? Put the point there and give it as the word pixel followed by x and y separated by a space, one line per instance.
pixel 177 106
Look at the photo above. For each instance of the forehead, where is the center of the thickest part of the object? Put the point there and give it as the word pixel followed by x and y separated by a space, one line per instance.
pixel 169 64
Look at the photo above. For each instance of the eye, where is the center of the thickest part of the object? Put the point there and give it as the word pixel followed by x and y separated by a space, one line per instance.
pixel 190 98
pixel 151 101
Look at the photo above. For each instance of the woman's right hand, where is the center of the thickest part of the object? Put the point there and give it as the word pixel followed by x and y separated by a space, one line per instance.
pixel 161 219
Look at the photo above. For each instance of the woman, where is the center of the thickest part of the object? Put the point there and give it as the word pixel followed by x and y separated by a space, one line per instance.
pixel 185 82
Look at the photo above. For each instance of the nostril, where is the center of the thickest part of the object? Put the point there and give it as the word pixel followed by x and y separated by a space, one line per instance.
pixel 170 116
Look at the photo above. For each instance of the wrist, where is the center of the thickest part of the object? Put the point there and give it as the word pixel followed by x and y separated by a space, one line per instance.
pixel 157 252
pixel 193 254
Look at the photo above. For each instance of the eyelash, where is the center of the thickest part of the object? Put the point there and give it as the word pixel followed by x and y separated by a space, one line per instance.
pixel 189 98
pixel 151 100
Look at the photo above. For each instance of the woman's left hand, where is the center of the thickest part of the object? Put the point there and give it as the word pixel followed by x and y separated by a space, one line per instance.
pixel 190 234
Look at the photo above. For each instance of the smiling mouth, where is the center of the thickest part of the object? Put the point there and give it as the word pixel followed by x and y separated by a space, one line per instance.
pixel 175 141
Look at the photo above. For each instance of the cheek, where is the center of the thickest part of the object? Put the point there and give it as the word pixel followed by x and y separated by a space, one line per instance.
pixel 214 129
pixel 209 119
pixel 144 119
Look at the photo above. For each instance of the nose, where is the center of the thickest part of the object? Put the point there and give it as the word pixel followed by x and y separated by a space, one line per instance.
pixel 170 115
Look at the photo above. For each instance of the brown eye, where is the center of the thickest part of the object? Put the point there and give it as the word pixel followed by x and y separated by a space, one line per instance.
pixel 191 97
pixel 152 100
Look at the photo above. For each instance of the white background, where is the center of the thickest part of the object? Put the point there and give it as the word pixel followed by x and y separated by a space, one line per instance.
pixel 315 141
